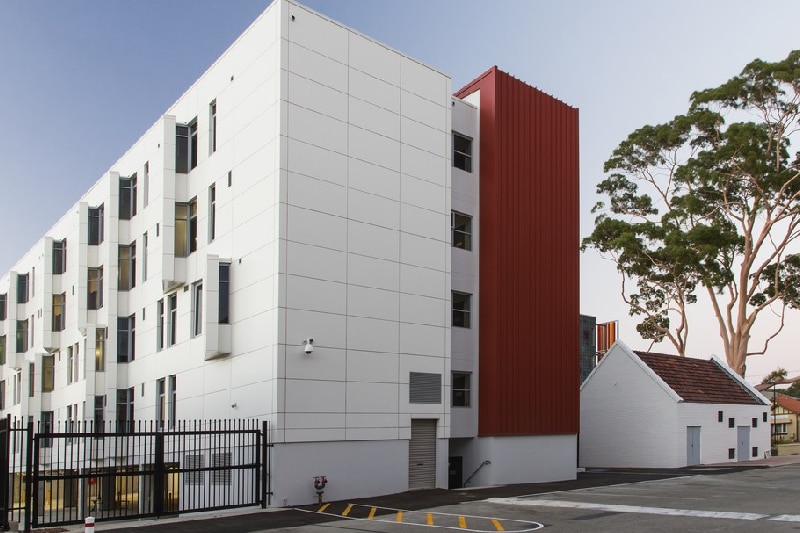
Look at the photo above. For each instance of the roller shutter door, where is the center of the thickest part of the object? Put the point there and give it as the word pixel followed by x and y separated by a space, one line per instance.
pixel 422 455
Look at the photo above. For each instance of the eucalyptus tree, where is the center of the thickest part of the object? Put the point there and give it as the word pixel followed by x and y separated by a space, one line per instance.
pixel 708 203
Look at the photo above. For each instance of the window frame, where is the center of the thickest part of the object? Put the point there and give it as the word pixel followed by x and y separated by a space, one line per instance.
pixel 172 319
pixel 127 197
pixel 464 311
pixel 59 256
pixel 197 309
pixel 465 390
pixel 59 312
pixel 462 158
pixel 96 223
pixel 458 235
pixel 96 283
pixel 126 268
pixel 126 339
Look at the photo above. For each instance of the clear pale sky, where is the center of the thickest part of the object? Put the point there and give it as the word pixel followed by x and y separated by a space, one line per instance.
pixel 81 81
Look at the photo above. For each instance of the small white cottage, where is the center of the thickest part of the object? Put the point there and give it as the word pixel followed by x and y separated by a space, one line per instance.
pixel 648 410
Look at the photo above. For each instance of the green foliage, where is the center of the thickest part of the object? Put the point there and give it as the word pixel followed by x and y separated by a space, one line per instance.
pixel 709 201
pixel 776 376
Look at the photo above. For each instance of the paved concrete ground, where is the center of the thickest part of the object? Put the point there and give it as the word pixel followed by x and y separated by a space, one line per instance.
pixel 759 496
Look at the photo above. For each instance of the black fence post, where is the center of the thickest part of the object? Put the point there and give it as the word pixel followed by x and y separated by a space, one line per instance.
pixel 30 486
pixel 160 474
pixel 5 434
pixel 266 481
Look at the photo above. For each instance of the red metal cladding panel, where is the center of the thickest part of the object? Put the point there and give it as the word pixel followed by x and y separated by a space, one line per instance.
pixel 529 263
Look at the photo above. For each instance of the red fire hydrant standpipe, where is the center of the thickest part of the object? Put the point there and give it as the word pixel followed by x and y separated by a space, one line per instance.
pixel 319 484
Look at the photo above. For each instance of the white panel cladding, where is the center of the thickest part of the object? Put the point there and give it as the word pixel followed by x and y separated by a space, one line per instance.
pixel 716 438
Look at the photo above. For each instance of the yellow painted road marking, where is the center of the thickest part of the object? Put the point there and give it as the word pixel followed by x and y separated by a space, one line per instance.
pixel 347 510
pixel 321 509
pixel 462 522
pixel 372 513
pixel 429 519
pixel 399 517
pixel 497 525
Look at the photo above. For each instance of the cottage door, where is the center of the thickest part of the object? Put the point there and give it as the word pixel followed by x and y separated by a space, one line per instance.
pixel 692 445
pixel 743 446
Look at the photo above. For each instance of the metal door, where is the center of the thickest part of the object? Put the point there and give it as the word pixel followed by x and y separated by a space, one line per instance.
pixel 422 455
pixel 692 445
pixel 743 447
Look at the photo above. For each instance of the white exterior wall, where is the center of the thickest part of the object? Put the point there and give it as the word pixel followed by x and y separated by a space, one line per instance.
pixel 716 438
pixel 627 419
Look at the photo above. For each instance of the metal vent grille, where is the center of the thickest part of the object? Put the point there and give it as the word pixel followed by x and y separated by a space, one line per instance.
pixel 425 387
pixel 223 462
pixel 194 465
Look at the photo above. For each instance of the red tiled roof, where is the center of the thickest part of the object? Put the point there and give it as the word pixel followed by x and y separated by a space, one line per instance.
pixel 698 380
pixel 789 403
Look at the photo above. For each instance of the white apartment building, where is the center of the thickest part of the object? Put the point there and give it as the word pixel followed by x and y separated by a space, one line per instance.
pixel 288 242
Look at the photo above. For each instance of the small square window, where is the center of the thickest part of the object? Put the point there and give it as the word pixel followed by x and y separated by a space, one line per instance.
pixel 731 453
pixel 731 422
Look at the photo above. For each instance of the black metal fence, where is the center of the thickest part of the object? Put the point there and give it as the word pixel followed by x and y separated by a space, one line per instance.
pixel 58 476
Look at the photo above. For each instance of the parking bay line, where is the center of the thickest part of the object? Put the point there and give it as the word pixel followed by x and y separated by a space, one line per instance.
pixel 631 509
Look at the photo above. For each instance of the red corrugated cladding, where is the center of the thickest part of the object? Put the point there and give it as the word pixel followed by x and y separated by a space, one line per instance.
pixel 529 246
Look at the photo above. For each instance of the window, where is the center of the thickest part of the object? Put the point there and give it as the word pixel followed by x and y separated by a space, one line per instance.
pixel 60 256
pixel 59 309
pixel 95 288
pixel 461 309
pixel 181 149
pixel 755 451
pixel 125 409
pixel 100 349
pixel 230 178
pixel 462 152
pixel 72 376
pixel 764 417
pixel 126 339
pixel 144 257
pixel 173 398
pixel 720 416
pixel 212 213
pixel 755 422
pixel 96 225
pixel 22 336
pixel 462 387
pixel 146 184
pixel 424 387
pixel 31 380
pixel 731 453
pixel 2 349
pixel 161 402
pixel 33 281
pixel 185 228
pixel 32 330
pixel 731 423
pixel 127 197
pixel 461 225
pixel 46 427
pixel 2 394
pixel 212 127
pixel 3 306
pixel 160 325
pixel 48 373
pixel 17 387
pixel 127 266
pixel 193 144
pixel 224 292
pixel 99 413
pixel 780 429
pixel 69 425
pixel 22 288
pixel 197 310
pixel 172 334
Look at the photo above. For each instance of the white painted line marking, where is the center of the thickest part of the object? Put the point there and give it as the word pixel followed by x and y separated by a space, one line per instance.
pixel 787 518
pixel 630 509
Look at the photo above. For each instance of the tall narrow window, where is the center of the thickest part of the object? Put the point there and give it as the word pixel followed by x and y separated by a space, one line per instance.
pixel 127 266
pixel 31 380
pixel 22 336
pixel 212 127
pixel 146 184
pixel 99 413
pixel 161 402
pixel 23 288
pixel 2 349
pixel 60 256
pixel 76 362
pixel 2 395
pixel 462 152
pixel 462 302
pixel 224 292
pixel 193 144
pixel 185 228
pixel 17 387
pixel 100 349
pixel 71 377
pixel 126 339
pixel 59 310
pixel 173 399
pixel 46 428
pixel 127 197
pixel 95 288
pixel 3 306
pixel 172 334
pixel 33 281
pixel 197 310
pixel 48 373
pixel 461 226
pixel 181 149
pixel 212 212
pixel 144 257
pixel 160 325
pixel 125 409
pixel 462 389
pixel 96 224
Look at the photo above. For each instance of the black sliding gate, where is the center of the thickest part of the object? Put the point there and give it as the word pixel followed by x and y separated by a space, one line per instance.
pixel 59 476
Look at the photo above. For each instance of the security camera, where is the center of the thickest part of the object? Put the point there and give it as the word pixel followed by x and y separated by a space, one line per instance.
pixel 308 345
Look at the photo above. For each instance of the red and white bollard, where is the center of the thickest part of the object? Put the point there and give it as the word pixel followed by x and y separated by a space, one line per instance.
pixel 88 525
